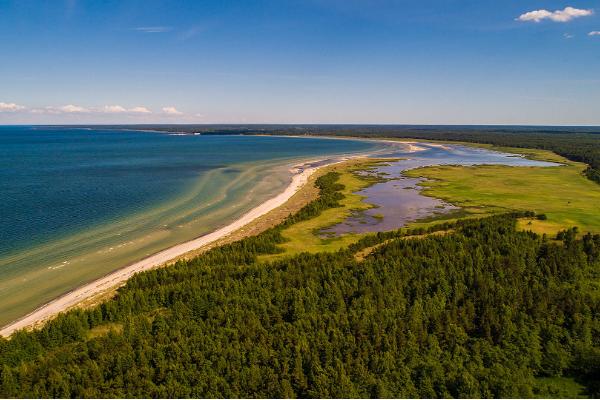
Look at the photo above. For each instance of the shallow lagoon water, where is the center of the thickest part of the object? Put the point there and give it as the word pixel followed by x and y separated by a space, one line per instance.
pixel 398 200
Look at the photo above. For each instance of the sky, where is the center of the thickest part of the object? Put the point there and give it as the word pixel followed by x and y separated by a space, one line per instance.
pixel 291 61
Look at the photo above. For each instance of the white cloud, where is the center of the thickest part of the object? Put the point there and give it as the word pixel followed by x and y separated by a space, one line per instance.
pixel 565 15
pixel 74 109
pixel 114 109
pixel 594 33
pixel 171 111
pixel 568 36
pixel 46 110
pixel 70 108
pixel 141 110
pixel 10 107
pixel 153 29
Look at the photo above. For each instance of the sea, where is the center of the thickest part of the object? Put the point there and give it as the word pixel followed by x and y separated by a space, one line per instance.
pixel 79 203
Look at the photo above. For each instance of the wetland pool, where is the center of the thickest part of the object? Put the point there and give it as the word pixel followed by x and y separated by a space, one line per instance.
pixel 397 200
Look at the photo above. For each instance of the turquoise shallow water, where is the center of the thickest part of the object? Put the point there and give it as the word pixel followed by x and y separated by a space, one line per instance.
pixel 77 204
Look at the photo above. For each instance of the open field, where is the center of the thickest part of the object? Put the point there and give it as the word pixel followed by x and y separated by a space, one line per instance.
pixel 562 193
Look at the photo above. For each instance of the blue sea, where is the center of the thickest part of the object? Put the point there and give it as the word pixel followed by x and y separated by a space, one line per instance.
pixel 80 203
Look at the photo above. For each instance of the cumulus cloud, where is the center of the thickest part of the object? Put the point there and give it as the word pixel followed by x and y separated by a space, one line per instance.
pixel 114 109
pixel 75 109
pixel 594 33
pixel 565 15
pixel 10 107
pixel 70 108
pixel 171 111
pixel 46 110
pixel 153 29
pixel 140 110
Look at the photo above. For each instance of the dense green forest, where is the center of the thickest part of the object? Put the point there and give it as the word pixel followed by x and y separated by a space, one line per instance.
pixel 482 310
pixel 575 143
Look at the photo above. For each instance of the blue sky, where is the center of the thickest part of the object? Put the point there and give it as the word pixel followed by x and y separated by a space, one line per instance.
pixel 312 61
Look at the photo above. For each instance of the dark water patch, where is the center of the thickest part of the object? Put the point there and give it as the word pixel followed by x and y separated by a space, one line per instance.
pixel 397 202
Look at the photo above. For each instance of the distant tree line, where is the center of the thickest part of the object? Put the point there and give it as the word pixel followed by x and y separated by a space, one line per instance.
pixel 481 311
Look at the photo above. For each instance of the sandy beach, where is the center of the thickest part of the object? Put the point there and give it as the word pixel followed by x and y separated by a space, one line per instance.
pixel 410 146
pixel 302 173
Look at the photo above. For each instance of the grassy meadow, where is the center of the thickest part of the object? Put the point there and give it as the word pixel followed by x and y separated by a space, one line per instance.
pixel 563 193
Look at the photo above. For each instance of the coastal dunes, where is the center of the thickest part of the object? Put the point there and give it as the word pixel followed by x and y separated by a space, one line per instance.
pixel 301 177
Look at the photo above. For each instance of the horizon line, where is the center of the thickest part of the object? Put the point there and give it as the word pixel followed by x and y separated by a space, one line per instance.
pixel 310 124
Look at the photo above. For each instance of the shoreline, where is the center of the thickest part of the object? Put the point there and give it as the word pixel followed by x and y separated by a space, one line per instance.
pixel 98 288
pixel 301 176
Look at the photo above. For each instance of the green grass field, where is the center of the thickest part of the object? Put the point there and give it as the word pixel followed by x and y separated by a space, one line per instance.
pixel 562 193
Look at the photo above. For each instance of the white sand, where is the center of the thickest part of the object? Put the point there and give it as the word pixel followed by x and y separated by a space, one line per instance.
pixel 120 276
pixel 441 146
pixel 411 147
